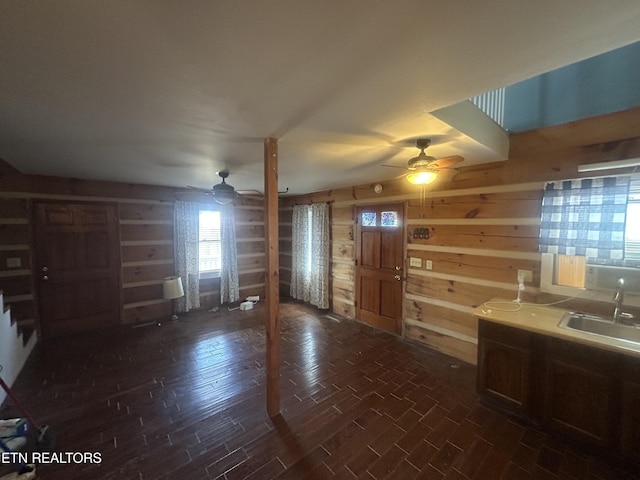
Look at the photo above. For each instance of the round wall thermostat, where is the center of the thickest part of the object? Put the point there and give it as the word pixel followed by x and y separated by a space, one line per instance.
pixel 377 188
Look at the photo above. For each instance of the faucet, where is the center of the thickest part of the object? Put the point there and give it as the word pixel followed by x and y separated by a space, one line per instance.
pixel 618 298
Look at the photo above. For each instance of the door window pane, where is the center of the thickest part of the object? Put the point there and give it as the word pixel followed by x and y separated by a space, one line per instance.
pixel 389 219
pixel 368 219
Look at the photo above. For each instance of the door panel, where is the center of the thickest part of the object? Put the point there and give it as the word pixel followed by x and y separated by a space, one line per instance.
pixel 77 256
pixel 370 246
pixel 389 254
pixel 379 264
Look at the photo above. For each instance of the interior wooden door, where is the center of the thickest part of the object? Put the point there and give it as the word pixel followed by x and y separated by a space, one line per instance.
pixel 77 257
pixel 379 265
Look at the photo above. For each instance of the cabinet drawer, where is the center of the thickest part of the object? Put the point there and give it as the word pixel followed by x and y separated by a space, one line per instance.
pixel 507 335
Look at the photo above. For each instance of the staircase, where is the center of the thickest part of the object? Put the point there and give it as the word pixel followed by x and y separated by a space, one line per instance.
pixel 16 344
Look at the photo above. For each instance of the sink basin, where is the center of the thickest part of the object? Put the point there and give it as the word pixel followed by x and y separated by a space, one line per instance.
pixel 600 326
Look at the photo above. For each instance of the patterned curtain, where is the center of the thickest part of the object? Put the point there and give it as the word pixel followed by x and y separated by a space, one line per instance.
pixel 186 252
pixel 585 217
pixel 229 288
pixel 310 254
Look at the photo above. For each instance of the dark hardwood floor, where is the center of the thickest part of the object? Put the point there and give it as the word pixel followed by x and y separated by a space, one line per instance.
pixel 187 401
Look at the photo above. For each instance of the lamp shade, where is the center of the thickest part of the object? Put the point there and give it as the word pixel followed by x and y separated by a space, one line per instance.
pixel 172 288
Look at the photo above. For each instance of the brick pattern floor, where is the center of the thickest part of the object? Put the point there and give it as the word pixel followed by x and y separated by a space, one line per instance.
pixel 186 400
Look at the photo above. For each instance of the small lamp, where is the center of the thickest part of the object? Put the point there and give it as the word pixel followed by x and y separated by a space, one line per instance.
pixel 171 290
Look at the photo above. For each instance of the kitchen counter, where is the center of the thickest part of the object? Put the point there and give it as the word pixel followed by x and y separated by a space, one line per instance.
pixel 544 320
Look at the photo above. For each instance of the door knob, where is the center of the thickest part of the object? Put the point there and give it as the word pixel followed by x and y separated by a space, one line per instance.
pixel 45 269
pixel 397 277
pixel 398 267
pixel 45 277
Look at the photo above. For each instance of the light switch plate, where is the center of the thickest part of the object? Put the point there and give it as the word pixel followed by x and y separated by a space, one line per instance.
pixel 415 262
pixel 14 262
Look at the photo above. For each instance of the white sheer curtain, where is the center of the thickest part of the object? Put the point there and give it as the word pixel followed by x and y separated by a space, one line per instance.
pixel 310 254
pixel 185 242
pixel 229 288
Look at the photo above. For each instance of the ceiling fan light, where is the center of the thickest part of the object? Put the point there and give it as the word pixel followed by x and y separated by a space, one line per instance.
pixel 421 178
pixel 223 199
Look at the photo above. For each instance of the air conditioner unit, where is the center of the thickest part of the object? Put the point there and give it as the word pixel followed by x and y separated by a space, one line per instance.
pixel 605 278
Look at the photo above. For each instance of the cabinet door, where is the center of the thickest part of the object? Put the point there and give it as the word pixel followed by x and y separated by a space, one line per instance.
pixel 580 393
pixel 504 366
pixel 630 421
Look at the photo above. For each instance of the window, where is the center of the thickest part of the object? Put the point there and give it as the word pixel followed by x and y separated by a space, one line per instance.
pixel 310 254
pixel 564 268
pixel 387 219
pixel 209 242
pixel 632 233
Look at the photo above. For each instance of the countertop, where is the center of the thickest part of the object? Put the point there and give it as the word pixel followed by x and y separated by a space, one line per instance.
pixel 544 320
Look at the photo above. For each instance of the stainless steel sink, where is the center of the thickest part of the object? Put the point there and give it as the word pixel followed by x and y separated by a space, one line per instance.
pixel 600 326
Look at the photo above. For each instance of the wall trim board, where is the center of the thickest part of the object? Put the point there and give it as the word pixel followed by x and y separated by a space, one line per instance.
pixel 343 300
pixel 249 239
pixel 252 270
pixel 19 298
pixel 14 246
pixel 144 243
pixel 441 331
pixel 343 261
pixel 128 306
pixel 531 221
pixel 250 223
pixel 255 285
pixel 439 303
pixel 249 255
pixel 477 251
pixel 515 187
pixel 82 198
pixel 15 273
pixel 145 222
pixel 344 223
pixel 144 283
pixel 14 221
pixel 472 280
pixel 141 263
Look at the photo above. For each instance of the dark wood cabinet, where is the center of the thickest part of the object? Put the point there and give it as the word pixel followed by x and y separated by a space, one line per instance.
pixel 586 393
pixel 504 366
pixel 630 413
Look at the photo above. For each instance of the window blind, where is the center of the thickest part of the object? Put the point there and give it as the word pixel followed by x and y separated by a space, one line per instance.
pixel 210 241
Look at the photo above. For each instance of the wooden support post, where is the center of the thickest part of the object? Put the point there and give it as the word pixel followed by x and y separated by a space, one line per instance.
pixel 272 279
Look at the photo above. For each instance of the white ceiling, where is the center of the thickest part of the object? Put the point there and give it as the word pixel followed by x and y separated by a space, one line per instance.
pixel 169 92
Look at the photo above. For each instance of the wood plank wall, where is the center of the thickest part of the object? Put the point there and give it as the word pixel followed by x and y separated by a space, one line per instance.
pixel 483 227
pixel 146 242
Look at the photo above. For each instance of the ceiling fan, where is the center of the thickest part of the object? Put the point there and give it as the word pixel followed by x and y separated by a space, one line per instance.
pixel 223 193
pixel 424 169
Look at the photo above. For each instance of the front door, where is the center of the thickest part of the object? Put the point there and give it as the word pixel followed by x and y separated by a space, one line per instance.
pixel 77 257
pixel 379 250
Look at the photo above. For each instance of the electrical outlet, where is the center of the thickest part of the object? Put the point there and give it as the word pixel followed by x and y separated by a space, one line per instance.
pixel 429 265
pixel 415 262
pixel 527 274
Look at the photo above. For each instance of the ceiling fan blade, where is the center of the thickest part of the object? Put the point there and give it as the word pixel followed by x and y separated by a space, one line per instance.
pixel 394 166
pixel 446 161
pixel 191 189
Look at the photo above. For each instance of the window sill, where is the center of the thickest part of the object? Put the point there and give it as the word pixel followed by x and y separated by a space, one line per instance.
pixel 207 275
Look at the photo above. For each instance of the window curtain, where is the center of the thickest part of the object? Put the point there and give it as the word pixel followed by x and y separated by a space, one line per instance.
pixel 229 288
pixel 585 217
pixel 310 254
pixel 186 252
